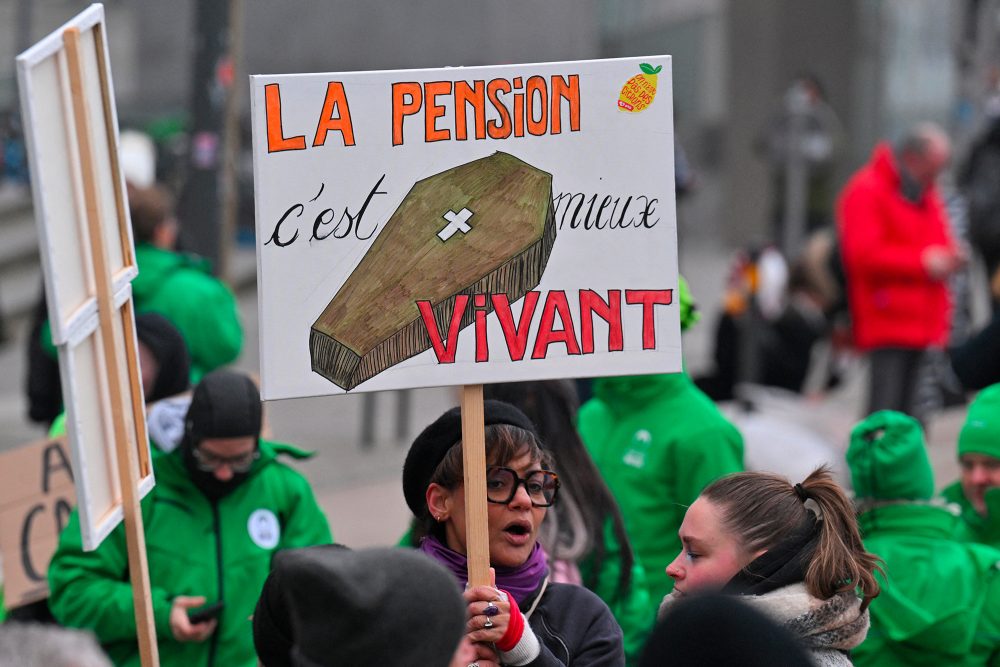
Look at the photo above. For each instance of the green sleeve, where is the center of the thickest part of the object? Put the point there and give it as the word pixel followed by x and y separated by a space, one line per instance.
pixel 91 590
pixel 45 336
pixel 705 456
pixel 58 427
pixel 631 609
pixel 407 539
pixel 304 522
pixel 214 341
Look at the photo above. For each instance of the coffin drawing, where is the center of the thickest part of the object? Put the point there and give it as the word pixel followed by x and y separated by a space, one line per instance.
pixel 484 227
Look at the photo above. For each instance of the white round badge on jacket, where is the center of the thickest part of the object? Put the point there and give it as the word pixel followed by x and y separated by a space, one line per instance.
pixel 264 529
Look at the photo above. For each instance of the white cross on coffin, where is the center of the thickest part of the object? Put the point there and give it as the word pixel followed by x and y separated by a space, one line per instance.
pixel 457 222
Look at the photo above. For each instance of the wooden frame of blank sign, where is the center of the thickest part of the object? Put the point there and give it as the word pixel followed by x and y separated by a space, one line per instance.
pixel 72 194
pixel 88 258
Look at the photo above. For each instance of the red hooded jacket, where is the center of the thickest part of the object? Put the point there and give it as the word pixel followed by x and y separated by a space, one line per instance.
pixel 894 302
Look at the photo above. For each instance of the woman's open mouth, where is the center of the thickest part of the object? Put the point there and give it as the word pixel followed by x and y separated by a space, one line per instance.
pixel 518 533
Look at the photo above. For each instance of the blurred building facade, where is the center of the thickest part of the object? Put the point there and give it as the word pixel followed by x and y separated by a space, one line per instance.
pixel 884 63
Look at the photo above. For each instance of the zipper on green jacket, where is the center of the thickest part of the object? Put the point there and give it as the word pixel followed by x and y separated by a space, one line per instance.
pixel 217 528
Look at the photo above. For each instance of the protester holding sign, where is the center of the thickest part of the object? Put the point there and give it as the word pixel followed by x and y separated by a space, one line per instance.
pixel 222 507
pixel 529 619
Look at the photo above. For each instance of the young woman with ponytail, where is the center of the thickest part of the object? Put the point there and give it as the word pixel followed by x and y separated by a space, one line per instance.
pixel 791 550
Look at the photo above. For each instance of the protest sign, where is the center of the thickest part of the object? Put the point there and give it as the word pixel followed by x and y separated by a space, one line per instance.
pixel 72 132
pixel 465 225
pixel 71 128
pixel 36 496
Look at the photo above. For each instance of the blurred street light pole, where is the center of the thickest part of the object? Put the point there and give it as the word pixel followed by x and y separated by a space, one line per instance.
pixel 199 207
pixel 231 143
pixel 796 172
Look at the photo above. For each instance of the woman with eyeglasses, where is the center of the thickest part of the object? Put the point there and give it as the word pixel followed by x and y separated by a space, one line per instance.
pixel 524 619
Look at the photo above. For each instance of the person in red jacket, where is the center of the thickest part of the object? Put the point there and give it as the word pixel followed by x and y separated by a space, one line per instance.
pixel 898 253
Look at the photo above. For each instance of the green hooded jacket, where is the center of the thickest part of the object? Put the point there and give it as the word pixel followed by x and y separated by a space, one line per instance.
pixel 940 599
pixel 658 441
pixel 220 551
pixel 182 289
pixel 974 526
pixel 631 607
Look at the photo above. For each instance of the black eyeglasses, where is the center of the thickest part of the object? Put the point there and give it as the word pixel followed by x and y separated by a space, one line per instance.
pixel 211 462
pixel 502 483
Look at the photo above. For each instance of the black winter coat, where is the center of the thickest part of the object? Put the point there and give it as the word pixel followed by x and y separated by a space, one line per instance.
pixel 575 628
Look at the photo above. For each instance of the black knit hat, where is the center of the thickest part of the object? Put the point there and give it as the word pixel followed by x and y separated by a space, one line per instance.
pixel 328 606
pixel 717 629
pixel 430 447
pixel 225 404
pixel 170 351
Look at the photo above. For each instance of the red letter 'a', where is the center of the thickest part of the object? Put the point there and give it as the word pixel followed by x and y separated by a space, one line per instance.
pixel 610 312
pixel 445 353
pixel 516 337
pixel 555 301
pixel 648 298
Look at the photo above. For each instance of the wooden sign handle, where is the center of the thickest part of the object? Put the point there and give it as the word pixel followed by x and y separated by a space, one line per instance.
pixel 128 464
pixel 477 541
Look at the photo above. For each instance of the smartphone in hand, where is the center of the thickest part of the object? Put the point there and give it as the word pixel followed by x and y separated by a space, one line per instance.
pixel 205 612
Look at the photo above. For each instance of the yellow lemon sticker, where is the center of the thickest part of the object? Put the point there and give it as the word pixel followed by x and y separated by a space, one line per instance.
pixel 638 92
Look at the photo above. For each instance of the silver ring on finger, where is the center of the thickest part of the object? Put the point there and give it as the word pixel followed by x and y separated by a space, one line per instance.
pixel 488 623
pixel 491 610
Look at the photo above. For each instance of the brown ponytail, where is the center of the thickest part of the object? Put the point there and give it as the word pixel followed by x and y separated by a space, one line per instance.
pixel 762 508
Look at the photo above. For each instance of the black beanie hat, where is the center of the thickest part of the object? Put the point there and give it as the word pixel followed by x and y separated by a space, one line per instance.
pixel 328 606
pixel 225 404
pixel 430 447
pixel 712 629
pixel 168 347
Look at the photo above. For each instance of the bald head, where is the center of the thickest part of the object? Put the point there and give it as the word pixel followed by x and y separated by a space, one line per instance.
pixel 924 152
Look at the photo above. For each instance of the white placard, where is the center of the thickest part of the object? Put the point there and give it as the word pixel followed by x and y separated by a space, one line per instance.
pixel 465 225
pixel 75 269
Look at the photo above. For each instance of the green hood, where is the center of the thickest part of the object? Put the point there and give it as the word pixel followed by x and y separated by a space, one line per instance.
pixel 631 393
pixel 934 588
pixel 156 265
pixel 888 458
pixel 981 432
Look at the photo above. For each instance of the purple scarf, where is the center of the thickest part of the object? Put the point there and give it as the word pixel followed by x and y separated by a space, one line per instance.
pixel 520 581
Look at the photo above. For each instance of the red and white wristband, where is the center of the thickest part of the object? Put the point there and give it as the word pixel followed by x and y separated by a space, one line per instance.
pixel 519 645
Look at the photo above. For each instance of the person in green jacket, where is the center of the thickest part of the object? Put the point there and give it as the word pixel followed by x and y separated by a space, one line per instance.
pixel 181 287
pixel 658 441
pixel 977 492
pixel 223 505
pixel 584 534
pixel 940 598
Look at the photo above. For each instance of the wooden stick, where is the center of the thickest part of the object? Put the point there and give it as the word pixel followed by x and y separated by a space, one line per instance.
pixel 107 102
pixel 477 541
pixel 144 465
pixel 126 454
pixel 128 255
